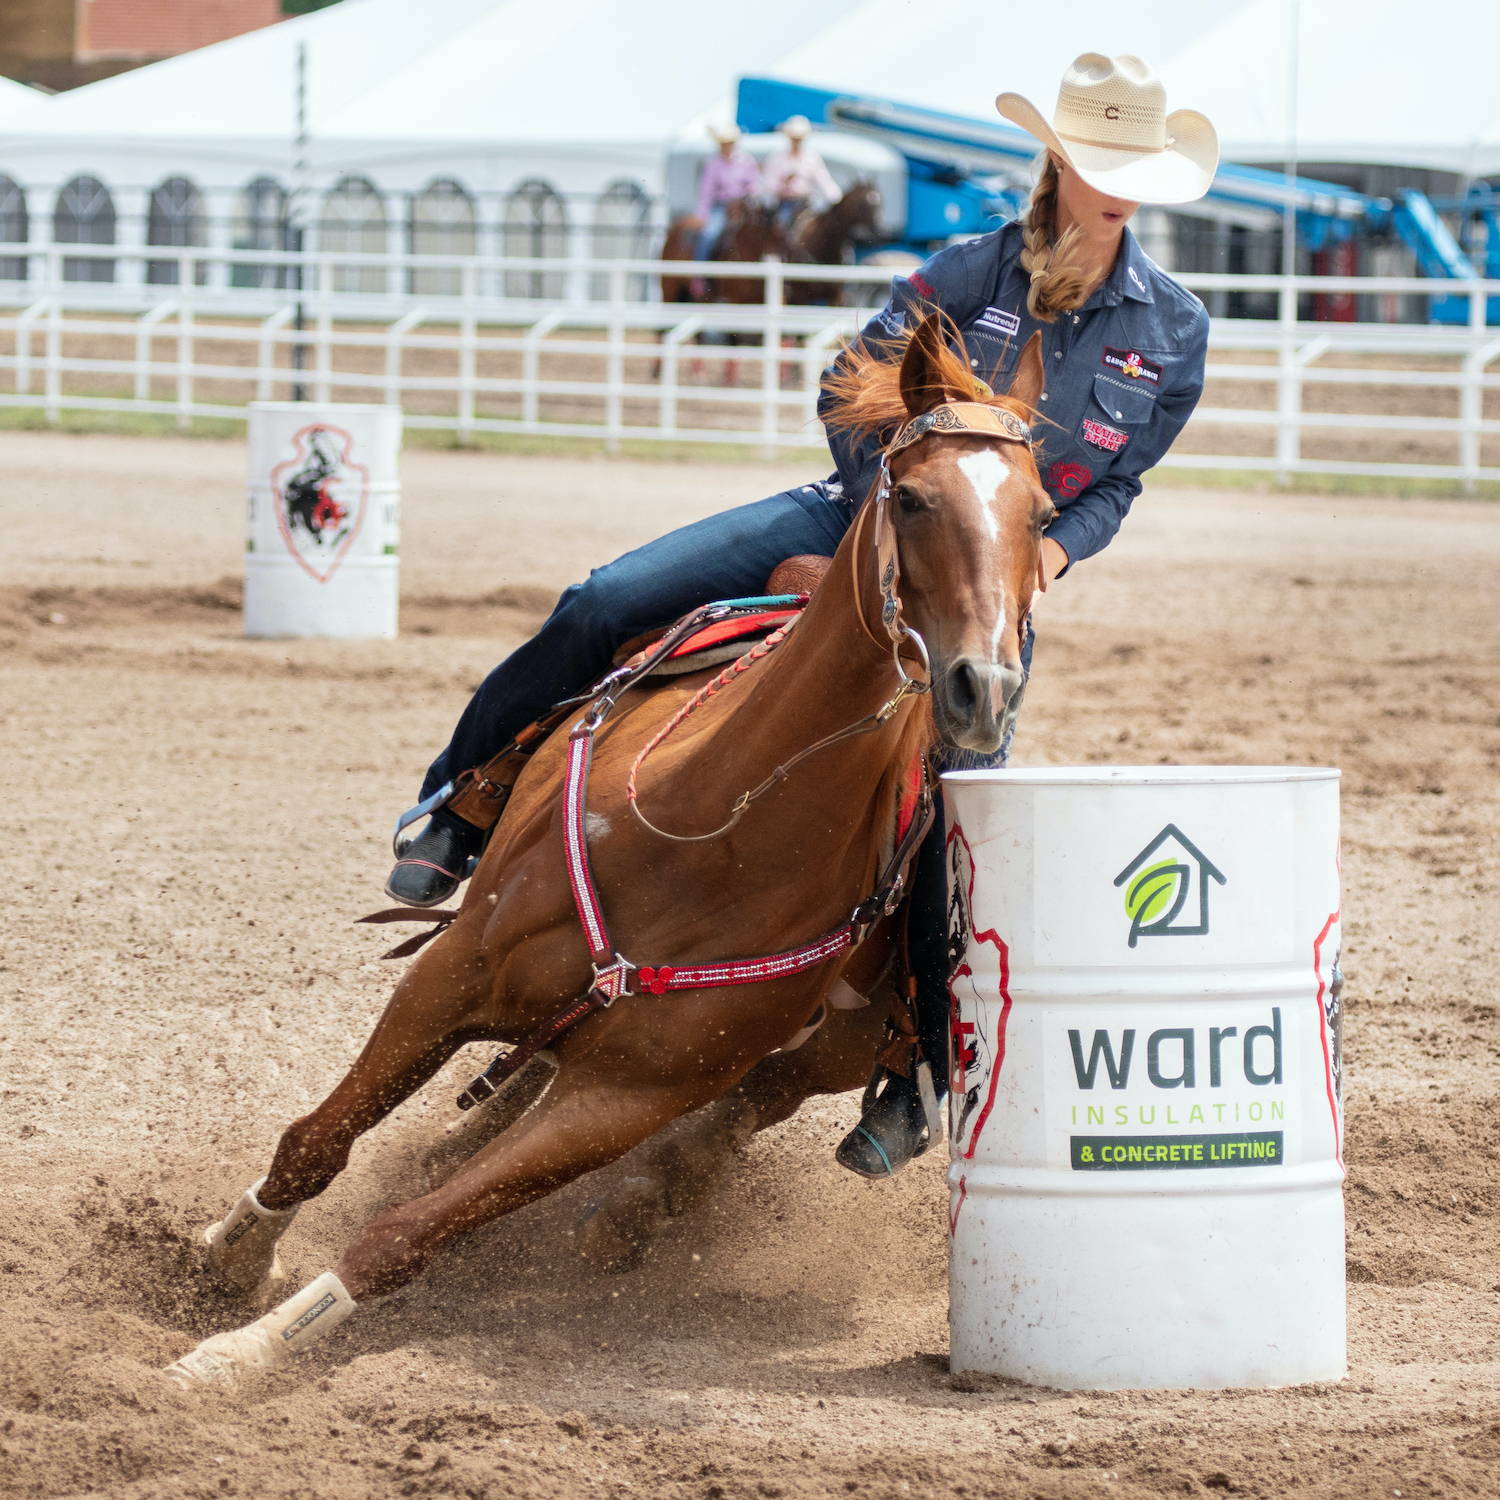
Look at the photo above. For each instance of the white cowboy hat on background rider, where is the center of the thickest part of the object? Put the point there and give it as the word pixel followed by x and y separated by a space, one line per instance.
pixel 797 177
pixel 728 175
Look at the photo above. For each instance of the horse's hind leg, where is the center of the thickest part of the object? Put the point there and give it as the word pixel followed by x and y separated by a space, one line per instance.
pixel 662 1178
pixel 423 1025
pixel 471 1132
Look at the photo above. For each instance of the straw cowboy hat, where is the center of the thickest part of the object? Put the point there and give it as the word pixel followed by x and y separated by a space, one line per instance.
pixel 1112 127
pixel 797 127
pixel 725 135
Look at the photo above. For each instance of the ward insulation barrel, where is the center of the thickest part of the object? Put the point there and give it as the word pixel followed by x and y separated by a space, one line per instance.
pixel 324 522
pixel 1146 1179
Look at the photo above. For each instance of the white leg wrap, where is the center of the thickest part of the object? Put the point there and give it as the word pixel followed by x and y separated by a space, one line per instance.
pixel 269 1341
pixel 242 1245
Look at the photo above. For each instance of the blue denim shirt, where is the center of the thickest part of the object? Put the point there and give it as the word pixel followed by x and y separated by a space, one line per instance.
pixel 1124 373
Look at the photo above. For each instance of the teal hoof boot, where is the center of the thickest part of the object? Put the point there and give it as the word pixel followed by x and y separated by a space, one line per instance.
pixel 892 1130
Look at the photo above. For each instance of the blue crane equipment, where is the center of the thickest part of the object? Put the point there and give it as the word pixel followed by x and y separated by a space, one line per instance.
pixel 963 175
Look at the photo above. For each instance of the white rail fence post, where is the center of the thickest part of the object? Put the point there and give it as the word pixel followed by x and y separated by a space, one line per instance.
pixel 614 371
pixel 770 372
pixel 185 351
pixel 1471 394
pixel 1288 385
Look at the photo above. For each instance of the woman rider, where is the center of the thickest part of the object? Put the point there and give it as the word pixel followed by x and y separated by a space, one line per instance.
pixel 1124 348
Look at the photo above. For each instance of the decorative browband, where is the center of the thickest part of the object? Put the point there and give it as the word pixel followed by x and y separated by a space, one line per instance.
pixel 963 416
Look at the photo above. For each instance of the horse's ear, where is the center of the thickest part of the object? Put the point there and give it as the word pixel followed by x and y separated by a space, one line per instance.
pixel 927 367
pixel 1031 374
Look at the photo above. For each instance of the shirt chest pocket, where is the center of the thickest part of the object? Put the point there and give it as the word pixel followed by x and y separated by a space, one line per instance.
pixel 1114 415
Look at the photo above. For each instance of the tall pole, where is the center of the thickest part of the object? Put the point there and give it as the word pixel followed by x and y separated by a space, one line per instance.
pixel 1289 209
pixel 297 221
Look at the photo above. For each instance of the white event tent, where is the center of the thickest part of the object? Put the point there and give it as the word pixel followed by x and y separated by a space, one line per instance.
pixel 15 96
pixel 457 125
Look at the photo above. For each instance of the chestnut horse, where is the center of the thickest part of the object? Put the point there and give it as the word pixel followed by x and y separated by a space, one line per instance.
pixel 753 233
pixel 956 526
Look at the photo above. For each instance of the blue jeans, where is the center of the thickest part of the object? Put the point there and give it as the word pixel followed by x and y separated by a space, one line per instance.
pixel 713 227
pixel 727 556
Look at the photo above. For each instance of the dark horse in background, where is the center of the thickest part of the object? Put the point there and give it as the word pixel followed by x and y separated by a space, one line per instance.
pixel 751 233
pixel 832 238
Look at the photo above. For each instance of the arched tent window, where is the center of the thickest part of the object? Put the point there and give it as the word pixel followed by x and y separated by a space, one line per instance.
pixel 15 228
pixel 175 216
pixel 622 232
pixel 536 225
pixel 443 222
pixel 354 219
pixel 84 215
pixel 260 223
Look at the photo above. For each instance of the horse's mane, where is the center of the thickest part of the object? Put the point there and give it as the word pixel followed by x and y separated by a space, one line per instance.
pixel 865 387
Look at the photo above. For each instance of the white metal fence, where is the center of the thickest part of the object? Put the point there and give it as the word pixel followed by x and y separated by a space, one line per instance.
pixel 459 344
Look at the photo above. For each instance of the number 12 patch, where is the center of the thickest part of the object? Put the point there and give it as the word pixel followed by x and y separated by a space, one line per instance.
pixel 1111 439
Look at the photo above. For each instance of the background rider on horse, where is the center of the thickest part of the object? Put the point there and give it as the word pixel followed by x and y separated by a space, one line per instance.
pixel 797 177
pixel 729 175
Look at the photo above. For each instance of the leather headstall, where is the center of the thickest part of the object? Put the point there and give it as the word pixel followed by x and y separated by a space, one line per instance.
pixel 977 417
pixel 963 416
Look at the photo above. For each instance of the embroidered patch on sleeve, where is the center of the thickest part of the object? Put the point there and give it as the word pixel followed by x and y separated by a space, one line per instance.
pixel 1132 363
pixel 1067 480
pixel 1111 439
pixel 999 320
pixel 919 283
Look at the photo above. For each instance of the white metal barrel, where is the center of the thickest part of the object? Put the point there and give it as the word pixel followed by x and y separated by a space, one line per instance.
pixel 1146 1179
pixel 324 524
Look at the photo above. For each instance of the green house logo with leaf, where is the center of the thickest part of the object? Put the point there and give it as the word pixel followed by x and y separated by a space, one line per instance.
pixel 1161 884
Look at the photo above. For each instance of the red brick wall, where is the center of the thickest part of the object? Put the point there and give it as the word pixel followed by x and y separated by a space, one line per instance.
pixel 163 28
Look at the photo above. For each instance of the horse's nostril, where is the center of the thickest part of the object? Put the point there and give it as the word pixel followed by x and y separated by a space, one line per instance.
pixel 964 689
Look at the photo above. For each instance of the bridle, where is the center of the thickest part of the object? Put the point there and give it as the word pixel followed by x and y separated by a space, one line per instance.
pixel 974 417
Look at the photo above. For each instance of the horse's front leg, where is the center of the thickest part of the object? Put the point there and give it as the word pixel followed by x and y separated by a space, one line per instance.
pixel 426 1021
pixel 582 1123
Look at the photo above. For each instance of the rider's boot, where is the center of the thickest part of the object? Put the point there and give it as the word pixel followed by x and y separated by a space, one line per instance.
pixel 899 1116
pixel 434 864
pixel 892 1130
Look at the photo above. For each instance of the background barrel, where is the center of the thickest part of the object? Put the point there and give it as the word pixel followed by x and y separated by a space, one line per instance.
pixel 324 522
pixel 1146 1179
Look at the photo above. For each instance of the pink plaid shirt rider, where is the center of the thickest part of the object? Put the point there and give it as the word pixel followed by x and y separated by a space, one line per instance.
pixel 726 178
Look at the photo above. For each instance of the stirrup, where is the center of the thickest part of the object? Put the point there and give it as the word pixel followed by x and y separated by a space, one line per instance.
pixel 425 809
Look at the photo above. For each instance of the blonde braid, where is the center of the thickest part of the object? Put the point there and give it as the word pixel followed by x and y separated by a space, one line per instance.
pixel 1058 282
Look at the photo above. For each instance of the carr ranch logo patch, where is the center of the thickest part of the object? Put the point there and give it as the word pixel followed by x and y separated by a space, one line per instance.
pixel 1111 439
pixel 321 496
pixel 1132 364
pixel 1161 883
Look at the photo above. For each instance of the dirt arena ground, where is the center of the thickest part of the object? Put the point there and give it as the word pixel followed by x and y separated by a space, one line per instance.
pixel 194 820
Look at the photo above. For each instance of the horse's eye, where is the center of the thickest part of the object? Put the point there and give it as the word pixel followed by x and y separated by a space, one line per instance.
pixel 908 502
